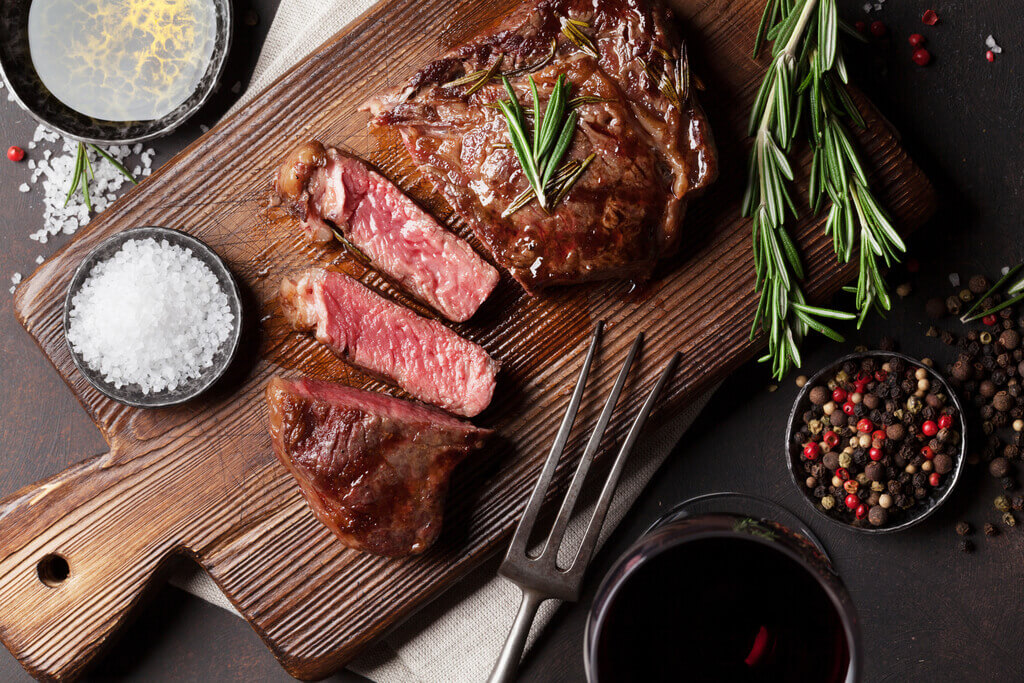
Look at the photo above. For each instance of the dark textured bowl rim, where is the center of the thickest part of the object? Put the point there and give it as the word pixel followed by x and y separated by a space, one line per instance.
pixel 219 64
pixel 224 277
pixel 916 515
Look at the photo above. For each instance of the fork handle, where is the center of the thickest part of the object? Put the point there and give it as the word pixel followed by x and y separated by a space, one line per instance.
pixel 508 662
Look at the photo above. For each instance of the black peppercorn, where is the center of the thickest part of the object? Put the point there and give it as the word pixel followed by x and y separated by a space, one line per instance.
pixel 999 467
pixel 1008 483
pixel 963 528
pixel 978 284
pixel 990 529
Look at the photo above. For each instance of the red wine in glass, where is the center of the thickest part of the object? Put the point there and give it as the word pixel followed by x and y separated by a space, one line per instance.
pixel 720 596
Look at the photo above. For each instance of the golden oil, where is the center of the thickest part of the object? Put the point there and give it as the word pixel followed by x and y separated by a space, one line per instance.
pixel 122 60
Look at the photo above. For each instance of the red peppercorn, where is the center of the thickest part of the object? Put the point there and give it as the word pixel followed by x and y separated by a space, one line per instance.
pixel 862 511
pixel 831 439
pixel 945 421
pixel 916 39
pixel 990 56
pixel 843 473
pixel 990 319
pixel 812 450
pixel 921 56
pixel 929 428
pixel 848 407
pixel 860 26
pixel 852 501
pixel 880 375
pixel 875 453
pixel 864 425
pixel 839 394
pixel 878 29
pixel 878 435
pixel 15 153
pixel 935 479
pixel 927 452
pixel 930 17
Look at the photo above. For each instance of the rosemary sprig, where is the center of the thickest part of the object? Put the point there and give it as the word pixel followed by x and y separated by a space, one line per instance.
pixel 557 186
pixel 541 151
pixel 573 30
pixel 674 79
pixel 1014 291
pixel 807 80
pixel 83 171
pixel 482 77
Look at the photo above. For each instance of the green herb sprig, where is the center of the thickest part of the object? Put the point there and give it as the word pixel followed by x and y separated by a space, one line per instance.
pixel 541 150
pixel 1015 292
pixel 83 171
pixel 807 80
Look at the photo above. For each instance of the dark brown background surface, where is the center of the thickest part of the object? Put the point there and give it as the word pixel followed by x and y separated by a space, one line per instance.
pixel 927 611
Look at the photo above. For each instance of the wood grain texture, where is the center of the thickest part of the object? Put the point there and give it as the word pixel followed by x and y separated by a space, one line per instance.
pixel 202 480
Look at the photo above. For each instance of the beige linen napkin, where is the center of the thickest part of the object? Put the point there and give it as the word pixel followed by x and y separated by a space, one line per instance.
pixel 458 636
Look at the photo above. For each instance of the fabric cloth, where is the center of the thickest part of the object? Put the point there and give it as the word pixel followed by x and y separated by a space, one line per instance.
pixel 458 636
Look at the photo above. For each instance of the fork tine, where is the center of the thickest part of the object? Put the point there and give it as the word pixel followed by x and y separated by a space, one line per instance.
pixel 525 527
pixel 597 519
pixel 565 512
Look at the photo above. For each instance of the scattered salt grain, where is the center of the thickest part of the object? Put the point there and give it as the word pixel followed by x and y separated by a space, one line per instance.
pixel 152 314
pixel 991 44
pixel 954 279
pixel 23 187
pixel 1005 270
pixel 40 259
pixel 16 279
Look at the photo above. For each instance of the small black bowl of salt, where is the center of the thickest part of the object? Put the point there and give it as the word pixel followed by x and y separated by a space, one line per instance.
pixel 152 317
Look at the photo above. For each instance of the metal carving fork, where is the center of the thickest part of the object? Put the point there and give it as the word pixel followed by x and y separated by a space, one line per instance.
pixel 540 578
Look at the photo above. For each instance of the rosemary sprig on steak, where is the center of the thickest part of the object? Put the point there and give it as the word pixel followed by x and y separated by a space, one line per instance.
pixel 807 80
pixel 541 151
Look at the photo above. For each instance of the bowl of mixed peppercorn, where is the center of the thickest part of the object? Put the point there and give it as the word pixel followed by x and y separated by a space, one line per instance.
pixel 876 441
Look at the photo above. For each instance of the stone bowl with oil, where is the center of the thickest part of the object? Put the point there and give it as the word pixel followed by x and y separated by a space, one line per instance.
pixel 921 510
pixel 113 71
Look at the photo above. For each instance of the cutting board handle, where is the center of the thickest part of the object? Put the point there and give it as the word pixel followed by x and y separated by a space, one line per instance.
pixel 76 553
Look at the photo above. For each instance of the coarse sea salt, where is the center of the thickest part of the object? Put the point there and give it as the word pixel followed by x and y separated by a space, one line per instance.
pixel 152 315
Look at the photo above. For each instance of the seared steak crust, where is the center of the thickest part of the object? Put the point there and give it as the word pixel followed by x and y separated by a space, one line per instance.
pixel 374 469
pixel 652 151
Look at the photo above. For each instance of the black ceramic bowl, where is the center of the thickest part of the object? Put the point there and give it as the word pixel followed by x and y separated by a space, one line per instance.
pixel 911 516
pixel 19 74
pixel 132 394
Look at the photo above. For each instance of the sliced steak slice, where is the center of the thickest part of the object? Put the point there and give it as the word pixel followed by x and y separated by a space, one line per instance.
pixel 374 469
pixel 327 189
pixel 651 142
pixel 420 355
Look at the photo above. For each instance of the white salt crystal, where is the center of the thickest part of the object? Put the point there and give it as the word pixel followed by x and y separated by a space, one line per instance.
pixel 23 187
pixel 991 44
pixel 152 315
pixel 16 279
pixel 1005 270
pixel 954 279
pixel 40 259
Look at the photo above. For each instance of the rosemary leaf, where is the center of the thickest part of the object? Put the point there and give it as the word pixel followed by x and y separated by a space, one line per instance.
pixel 116 164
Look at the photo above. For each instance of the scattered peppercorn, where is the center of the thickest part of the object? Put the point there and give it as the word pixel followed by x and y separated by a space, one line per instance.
pixel 963 528
pixel 966 546
pixel 1009 519
pixel 930 18
pixel 1002 503
pixel 990 529
pixel 921 56
pixel 15 153
pixel 878 29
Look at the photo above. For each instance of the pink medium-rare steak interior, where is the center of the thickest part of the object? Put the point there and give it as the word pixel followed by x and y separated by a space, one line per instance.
pixel 328 189
pixel 422 356
pixel 373 468
pixel 651 144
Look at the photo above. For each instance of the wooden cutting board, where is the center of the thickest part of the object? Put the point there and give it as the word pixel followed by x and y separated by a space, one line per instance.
pixel 201 480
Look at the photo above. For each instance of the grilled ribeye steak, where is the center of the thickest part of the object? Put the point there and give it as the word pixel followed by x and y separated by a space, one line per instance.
pixel 373 468
pixel 638 115
pixel 327 190
pixel 422 356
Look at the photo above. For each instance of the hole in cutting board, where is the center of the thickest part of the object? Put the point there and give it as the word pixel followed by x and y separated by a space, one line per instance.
pixel 53 570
